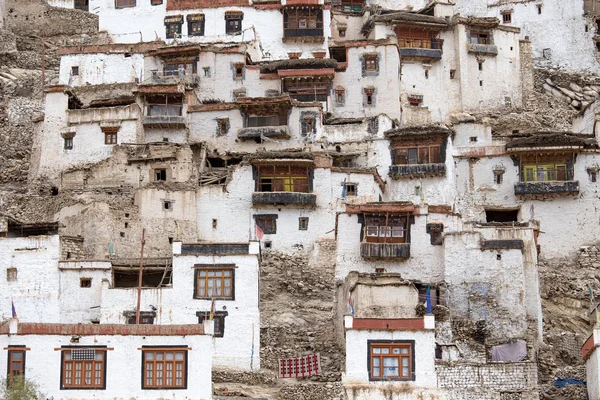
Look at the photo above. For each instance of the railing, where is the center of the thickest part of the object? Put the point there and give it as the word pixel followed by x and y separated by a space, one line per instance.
pixel 348 6
pixel 173 77
pixel 435 44
pixel 416 170
pixel 546 188
pixel 374 251
pixel 297 198
pixel 304 32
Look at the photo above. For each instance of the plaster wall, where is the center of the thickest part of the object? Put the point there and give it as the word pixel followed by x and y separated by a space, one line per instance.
pixel 592 368
pixel 61 3
pixel 177 305
pixel 385 301
pixel 354 81
pixel 43 365
pixel 80 305
pixel 353 26
pixel 357 355
pixel 99 69
pixel 35 292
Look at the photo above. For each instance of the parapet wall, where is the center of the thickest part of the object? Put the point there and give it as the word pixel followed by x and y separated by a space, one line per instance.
pixel 496 376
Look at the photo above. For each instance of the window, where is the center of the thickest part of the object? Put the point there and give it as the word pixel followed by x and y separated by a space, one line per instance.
pixel 370 62
pixel 167 205
pixel 593 172
pixel 206 71
pixel 502 215
pixel 164 105
pixel 16 362
pixel 160 174
pixel 185 67
pixel 164 368
pixel 307 124
pixel 173 26
pixel 480 37
pixel 68 145
pixel 307 88
pixel 239 93
pixel 369 96
pixel 342 32
pixel 418 154
pixel 233 22
pixel 386 228
pixel 110 136
pixel 283 178
pixel 146 317
pixel 340 97
pixel 214 281
pixel 452 73
pixel 480 64
pixel 409 37
pixel 415 99
pixel 85 282
pixel 75 70
pixel 473 139
pixel 124 3
pixel 218 318
pixel 253 121
pixel 338 54
pixel 222 126
pixel 391 360
pixel 539 9
pixel 545 167
pixel 239 70
pixel 507 17
pixel 350 189
pixel 348 6
pixel 156 2
pixel 83 368
pixel 498 176
pixel 435 233
pixel 11 274
pixel 195 24
pixel 302 22
pixel 303 223
pixel 266 223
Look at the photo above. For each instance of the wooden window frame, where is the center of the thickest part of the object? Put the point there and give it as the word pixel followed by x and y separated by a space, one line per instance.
pixel 83 283
pixel 348 6
pixel 480 37
pixel 125 3
pixel 235 28
pixel 146 317
pixel 68 143
pixel 110 136
pixel 267 223
pixel 418 38
pixel 274 178
pixel 160 170
pixel 420 151
pixel 96 366
pixel 352 192
pixel 303 223
pixel 162 105
pixel 172 68
pixel 297 22
pixel 371 62
pixel 12 350
pixel 196 20
pixel 203 281
pixel 164 365
pixel 376 362
pixel 307 88
pixel 507 17
pixel 546 168
pixel 395 228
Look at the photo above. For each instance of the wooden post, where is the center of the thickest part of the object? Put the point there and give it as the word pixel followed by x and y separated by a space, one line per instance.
pixel 139 296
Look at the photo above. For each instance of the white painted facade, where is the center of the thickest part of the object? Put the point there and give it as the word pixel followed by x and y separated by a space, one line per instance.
pixel 592 366
pixel 124 353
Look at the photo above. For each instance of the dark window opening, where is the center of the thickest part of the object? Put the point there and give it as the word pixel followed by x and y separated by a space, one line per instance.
pixel 233 23
pixel 350 189
pixel 156 2
pixel 452 73
pixel 68 145
pixel 160 174
pixel 426 74
pixel 11 274
pixel 593 176
pixel 146 317
pixel 435 232
pixel 342 32
pixel 303 223
pixel 498 256
pixel 82 5
pixel 124 3
pixel 167 205
pixel 150 278
pixel 502 215
pixel 338 54
pixel 598 46
pixel 159 105
pixel 253 121
pixel 85 282
pixel 539 9
pixel 369 96
pixel 478 37
pixel 480 66
pixel 75 70
pixel 239 71
pixel 415 100
pixel 195 25
pixel 598 25
pixel 302 21
pixel 54 191
pixel 507 17
pixel 222 126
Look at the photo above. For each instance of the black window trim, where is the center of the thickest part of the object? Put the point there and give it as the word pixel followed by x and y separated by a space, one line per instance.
pixel 218 315
pixel 412 356
pixel 62 360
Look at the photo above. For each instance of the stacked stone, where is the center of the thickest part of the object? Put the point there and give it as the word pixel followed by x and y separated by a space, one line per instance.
pixel 589 257
pixel 578 97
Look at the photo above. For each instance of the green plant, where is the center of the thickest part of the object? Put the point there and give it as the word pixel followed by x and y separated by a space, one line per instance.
pixel 20 388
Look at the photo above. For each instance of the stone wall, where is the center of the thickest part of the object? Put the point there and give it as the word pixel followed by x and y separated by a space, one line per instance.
pixel 497 376
pixel 71 248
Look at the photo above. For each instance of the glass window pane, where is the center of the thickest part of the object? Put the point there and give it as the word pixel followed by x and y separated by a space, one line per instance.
pixel 159 356
pixel 98 356
pixel 376 350
pixel 375 371
pixel 179 355
pixel 376 362
pixel 405 361
pixel 169 356
pixel 396 350
pixel 404 371
pixel 16 355
pixel 385 350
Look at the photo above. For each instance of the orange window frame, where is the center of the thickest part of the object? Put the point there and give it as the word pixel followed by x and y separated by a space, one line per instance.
pixel 164 369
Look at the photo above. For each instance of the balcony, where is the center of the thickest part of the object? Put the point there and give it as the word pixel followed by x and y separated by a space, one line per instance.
pixel 348 6
pixel 173 78
pixel 271 132
pixel 91 115
pixel 163 121
pixel 488 49
pixel 546 188
pixel 424 49
pixel 385 251
pixel 289 198
pixel 416 170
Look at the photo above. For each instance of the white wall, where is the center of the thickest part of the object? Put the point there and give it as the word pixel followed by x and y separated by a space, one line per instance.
pixel 100 69
pixel 36 293
pixel 43 364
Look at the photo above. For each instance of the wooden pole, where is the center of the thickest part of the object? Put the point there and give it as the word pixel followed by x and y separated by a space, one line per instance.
pixel 139 297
